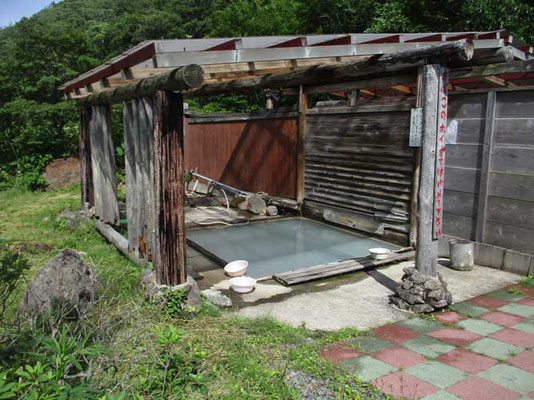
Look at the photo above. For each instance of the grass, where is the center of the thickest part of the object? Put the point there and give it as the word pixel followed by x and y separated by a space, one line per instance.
pixel 237 358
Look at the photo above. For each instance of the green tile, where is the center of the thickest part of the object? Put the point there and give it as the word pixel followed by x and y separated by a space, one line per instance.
pixel 505 295
pixel 510 377
pixel 525 326
pixel 427 346
pixel 469 309
pixel 436 373
pixel 421 325
pixel 518 309
pixel 367 368
pixel 370 344
pixel 441 395
pixel 479 326
pixel 494 348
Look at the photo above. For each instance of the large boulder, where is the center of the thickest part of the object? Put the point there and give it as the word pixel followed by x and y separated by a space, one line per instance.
pixel 65 281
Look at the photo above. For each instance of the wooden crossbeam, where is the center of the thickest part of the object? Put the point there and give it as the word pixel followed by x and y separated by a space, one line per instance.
pixel 495 80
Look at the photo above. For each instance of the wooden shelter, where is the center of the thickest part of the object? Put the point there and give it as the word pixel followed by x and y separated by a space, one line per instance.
pixel 367 169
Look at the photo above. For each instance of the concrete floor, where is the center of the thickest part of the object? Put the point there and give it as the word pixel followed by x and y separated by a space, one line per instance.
pixel 358 300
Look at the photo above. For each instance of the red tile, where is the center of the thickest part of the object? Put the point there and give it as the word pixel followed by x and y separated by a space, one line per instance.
pixel 449 317
pixel 466 361
pixel 395 333
pixel 524 360
pixel 456 336
pixel 399 357
pixel 339 353
pixel 488 302
pixel 514 336
pixel 403 385
pixel 529 301
pixel 475 388
pixel 502 318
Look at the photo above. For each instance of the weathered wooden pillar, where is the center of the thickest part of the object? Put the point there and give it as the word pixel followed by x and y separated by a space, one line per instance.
pixel 169 191
pixel 103 165
pixel 139 156
pixel 301 143
pixel 430 199
pixel 86 169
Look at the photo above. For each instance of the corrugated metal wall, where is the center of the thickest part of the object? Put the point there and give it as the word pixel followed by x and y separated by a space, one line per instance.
pixel 509 144
pixel 358 168
pixel 257 155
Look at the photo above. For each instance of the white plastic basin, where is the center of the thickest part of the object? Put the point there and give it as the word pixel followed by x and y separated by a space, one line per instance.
pixel 242 284
pixel 236 268
pixel 379 253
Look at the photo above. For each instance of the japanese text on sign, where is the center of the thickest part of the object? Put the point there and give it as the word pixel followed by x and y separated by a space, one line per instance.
pixel 440 154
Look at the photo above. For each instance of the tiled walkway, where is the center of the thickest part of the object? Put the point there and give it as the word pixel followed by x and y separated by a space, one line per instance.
pixel 482 349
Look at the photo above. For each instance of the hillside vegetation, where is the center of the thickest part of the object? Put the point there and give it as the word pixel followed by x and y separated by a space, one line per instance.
pixel 67 38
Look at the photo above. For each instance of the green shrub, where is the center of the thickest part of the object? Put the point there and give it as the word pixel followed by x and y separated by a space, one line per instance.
pixel 25 174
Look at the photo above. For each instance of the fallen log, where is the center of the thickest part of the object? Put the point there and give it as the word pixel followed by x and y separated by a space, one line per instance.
pixel 119 241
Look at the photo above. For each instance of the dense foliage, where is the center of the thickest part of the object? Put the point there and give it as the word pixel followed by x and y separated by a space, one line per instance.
pixel 69 37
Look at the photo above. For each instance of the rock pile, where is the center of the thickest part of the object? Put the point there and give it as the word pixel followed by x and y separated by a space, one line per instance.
pixel 154 291
pixel 420 293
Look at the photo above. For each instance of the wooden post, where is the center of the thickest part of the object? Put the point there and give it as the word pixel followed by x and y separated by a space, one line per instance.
pixel 485 168
pixel 416 166
pixel 86 169
pixel 303 106
pixel 169 192
pixel 354 97
pixel 427 248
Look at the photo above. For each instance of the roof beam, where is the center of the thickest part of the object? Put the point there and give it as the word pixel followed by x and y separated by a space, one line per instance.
pixel 382 64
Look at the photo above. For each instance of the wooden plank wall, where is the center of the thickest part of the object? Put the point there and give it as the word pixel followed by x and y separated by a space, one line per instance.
pixel 358 168
pixel 463 163
pixel 256 155
pixel 139 154
pixel 103 165
pixel 507 206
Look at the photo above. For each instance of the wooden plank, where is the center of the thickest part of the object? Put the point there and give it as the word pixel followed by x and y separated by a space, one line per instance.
pixel 460 203
pixel 512 186
pixel 511 212
pixel 301 143
pixel 169 257
pixel 514 159
pixel 467 106
pixel 427 247
pixel 399 106
pixel 146 150
pixel 336 268
pixel 103 165
pixel 470 131
pixel 462 179
pixel 133 199
pixel 485 168
pixel 383 82
pixel 459 226
pixel 416 165
pixel 515 131
pixel 86 169
pixel 510 237
pixel 465 156
pixel 516 104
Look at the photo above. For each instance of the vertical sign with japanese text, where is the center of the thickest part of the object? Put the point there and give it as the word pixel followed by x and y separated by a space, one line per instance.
pixel 440 153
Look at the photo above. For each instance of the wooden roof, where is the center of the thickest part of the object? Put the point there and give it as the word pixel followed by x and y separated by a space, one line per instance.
pixel 234 58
